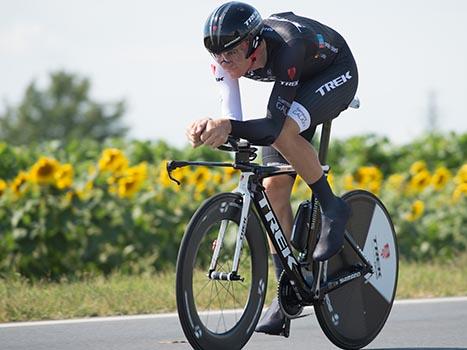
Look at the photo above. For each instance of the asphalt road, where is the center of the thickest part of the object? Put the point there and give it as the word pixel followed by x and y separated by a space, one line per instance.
pixel 424 324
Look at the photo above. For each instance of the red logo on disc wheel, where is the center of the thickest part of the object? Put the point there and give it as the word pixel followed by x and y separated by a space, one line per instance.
pixel 385 252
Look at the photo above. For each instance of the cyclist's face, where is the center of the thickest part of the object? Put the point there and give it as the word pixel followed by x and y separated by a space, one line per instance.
pixel 234 61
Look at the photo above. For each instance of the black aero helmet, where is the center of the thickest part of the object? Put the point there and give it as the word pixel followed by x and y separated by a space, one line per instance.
pixel 229 24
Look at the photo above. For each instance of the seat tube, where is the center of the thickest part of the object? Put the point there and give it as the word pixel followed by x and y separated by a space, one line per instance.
pixel 324 142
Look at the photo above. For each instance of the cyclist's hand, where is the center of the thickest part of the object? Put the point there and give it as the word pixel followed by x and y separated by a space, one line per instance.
pixel 216 132
pixel 194 130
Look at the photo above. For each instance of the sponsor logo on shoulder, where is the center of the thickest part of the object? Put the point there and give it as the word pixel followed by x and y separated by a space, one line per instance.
pixel 324 44
pixel 282 105
pixel 320 41
pixel 218 79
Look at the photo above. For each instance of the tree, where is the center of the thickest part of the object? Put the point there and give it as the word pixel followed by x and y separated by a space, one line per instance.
pixel 62 111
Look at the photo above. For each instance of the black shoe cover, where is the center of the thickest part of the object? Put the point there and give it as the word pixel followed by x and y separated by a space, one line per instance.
pixel 331 239
pixel 273 320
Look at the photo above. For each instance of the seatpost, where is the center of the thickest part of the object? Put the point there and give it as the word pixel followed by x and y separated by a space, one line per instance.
pixel 324 142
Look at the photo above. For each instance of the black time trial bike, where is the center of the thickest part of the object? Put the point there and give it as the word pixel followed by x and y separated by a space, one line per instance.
pixel 222 265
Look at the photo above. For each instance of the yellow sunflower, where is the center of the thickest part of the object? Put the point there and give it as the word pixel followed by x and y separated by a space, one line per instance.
pixel 368 173
pixel 128 186
pixel 229 173
pixel 440 178
pixel 17 186
pixel 85 192
pixel 419 181
pixel 417 167
pixel 348 182
pixel 199 176
pixel 331 180
pixel 113 160
pixel 459 192
pixel 44 170
pixel 3 186
pixel 64 176
pixel 416 211
pixel 217 179
pixel 139 171
pixel 461 176
pixel 395 181
pixel 369 177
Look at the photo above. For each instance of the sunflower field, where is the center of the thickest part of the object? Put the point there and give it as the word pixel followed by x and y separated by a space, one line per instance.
pixel 85 207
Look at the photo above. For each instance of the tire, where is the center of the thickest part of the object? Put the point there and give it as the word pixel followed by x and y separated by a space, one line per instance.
pixel 353 315
pixel 198 296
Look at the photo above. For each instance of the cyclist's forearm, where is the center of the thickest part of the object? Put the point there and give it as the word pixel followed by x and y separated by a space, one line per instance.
pixel 258 131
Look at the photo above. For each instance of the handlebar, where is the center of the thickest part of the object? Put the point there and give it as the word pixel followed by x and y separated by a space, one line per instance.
pixel 244 154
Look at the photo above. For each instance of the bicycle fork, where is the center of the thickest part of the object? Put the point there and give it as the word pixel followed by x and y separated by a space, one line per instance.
pixel 246 202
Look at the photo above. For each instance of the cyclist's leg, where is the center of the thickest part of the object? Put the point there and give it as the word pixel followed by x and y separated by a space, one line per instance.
pixel 320 99
pixel 278 190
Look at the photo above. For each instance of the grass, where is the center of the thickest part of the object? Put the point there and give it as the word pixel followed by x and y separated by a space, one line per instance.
pixel 433 280
pixel 118 294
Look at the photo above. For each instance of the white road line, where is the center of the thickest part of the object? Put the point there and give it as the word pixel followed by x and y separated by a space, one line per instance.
pixel 174 315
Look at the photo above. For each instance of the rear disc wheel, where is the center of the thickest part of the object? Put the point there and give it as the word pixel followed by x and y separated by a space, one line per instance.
pixel 353 315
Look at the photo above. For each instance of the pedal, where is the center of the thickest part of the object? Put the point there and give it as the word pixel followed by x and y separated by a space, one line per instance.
pixel 286 330
pixel 304 315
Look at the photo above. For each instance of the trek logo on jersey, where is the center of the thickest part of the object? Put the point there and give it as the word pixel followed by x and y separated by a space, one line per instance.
pixel 331 85
pixel 282 105
pixel 278 235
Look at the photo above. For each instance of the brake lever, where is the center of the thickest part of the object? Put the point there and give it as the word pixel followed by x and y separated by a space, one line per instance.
pixel 171 166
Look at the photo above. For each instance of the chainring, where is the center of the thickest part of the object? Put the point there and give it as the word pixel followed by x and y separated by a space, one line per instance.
pixel 288 301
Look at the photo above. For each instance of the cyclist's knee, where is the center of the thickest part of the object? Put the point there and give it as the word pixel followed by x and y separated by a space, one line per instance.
pixel 278 188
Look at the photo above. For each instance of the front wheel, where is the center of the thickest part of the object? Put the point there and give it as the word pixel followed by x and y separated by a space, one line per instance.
pixel 220 314
pixel 353 315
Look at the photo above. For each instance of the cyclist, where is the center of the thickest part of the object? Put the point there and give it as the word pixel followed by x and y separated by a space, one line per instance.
pixel 315 79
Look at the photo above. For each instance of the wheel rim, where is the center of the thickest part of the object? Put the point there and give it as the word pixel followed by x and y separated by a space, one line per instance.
pixel 220 304
pixel 206 329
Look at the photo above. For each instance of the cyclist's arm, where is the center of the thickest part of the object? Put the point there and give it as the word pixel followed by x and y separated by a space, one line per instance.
pixel 288 68
pixel 231 106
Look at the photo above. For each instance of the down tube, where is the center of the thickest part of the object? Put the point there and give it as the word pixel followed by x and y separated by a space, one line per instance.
pixel 278 239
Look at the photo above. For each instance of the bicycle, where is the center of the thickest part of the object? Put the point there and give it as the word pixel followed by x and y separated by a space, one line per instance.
pixel 223 261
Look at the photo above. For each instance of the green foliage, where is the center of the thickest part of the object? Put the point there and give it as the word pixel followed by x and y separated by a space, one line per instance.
pixel 348 155
pixel 62 111
pixel 51 232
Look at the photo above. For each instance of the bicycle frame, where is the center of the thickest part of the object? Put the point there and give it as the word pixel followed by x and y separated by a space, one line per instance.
pixel 252 191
